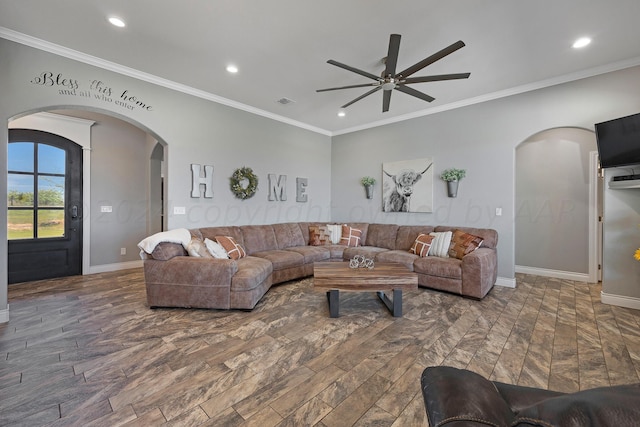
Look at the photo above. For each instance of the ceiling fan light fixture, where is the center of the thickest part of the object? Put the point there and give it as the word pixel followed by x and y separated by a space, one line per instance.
pixel 390 85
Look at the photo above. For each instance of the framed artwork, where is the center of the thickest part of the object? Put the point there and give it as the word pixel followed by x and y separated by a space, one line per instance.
pixel 407 186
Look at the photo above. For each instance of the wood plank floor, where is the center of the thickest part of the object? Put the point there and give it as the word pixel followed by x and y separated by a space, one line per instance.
pixel 88 351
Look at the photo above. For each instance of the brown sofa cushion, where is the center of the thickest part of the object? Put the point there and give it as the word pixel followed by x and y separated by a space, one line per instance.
pixel 422 245
pixel 288 235
pixel 382 236
pixel 463 243
pixel 351 236
pixel 319 235
pixel 198 249
pixel 234 250
pixel 258 238
pixel 251 273
pixel 489 236
pixel 165 251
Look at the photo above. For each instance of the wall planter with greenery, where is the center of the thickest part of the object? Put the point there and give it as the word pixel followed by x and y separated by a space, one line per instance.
pixel 452 177
pixel 368 183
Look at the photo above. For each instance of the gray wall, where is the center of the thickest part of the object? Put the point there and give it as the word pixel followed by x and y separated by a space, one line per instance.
pixel 481 139
pixel 119 164
pixel 552 200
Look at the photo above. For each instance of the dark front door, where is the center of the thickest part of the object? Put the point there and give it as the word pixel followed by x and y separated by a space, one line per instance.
pixel 44 198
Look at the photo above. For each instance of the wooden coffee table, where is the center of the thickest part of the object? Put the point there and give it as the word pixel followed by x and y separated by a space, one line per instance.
pixel 385 276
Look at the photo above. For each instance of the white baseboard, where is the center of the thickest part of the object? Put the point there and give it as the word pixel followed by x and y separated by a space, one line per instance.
pixel 558 274
pixel 620 300
pixel 4 315
pixel 506 282
pixel 105 268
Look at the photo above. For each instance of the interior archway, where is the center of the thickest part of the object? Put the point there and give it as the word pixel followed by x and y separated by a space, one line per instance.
pixel 556 197
pixel 132 211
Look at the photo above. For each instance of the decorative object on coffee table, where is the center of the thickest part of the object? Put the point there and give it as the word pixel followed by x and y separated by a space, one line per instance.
pixel 359 261
pixel 452 177
pixel 334 277
pixel 244 183
pixel 368 182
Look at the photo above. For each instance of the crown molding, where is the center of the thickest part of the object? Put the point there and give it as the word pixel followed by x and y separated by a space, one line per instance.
pixel 169 84
pixel 607 68
pixel 149 78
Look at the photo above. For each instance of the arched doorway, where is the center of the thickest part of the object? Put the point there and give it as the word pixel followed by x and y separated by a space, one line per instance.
pixel 116 209
pixel 557 204
pixel 44 216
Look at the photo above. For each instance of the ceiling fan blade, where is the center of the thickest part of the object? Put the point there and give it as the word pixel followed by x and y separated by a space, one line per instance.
pixel 392 55
pixel 375 89
pixel 431 59
pixel 353 70
pixel 386 100
pixel 347 87
pixel 437 78
pixel 413 92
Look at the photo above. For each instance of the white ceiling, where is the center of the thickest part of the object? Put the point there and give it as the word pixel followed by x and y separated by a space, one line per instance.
pixel 281 48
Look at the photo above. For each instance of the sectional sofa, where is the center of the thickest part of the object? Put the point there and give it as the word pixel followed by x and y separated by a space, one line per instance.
pixel 278 253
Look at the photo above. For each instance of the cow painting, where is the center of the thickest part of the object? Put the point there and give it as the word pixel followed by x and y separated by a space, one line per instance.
pixel 399 187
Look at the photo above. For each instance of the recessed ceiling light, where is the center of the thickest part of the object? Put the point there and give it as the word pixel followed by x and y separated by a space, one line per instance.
pixel 581 42
pixel 232 69
pixel 342 113
pixel 114 20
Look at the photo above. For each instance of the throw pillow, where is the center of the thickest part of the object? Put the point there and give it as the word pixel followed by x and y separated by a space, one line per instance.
pixel 197 248
pixel 216 249
pixel 422 245
pixel 319 235
pixel 350 236
pixel 440 244
pixel 230 245
pixel 336 233
pixel 166 250
pixel 463 243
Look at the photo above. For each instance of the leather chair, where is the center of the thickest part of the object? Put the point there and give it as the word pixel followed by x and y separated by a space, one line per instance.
pixel 460 398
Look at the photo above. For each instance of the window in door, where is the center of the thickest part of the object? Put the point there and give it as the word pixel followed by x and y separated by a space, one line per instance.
pixel 36 191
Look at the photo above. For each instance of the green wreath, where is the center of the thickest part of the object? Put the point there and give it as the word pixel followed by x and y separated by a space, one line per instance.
pixel 237 179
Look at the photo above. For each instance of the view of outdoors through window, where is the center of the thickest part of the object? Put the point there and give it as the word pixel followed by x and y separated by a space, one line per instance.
pixel 35 191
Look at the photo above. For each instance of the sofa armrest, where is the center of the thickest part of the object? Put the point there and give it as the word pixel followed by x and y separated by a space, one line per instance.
pixel 192 271
pixel 457 397
pixel 479 272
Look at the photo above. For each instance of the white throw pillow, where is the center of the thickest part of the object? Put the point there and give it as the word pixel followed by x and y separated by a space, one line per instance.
pixel 216 249
pixel 336 233
pixel 440 244
pixel 196 248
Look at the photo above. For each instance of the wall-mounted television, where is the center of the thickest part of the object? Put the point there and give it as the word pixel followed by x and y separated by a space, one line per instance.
pixel 619 141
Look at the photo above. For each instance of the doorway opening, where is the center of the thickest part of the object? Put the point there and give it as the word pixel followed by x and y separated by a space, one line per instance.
pixel 44 213
pixel 558 205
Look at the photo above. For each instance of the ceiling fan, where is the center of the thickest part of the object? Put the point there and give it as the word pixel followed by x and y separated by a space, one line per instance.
pixel 390 80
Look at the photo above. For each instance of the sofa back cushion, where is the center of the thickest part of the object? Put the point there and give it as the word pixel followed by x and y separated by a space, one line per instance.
pixel 382 235
pixel 288 235
pixel 166 250
pixel 211 233
pixel 407 234
pixel 362 226
pixel 259 238
pixel 489 236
